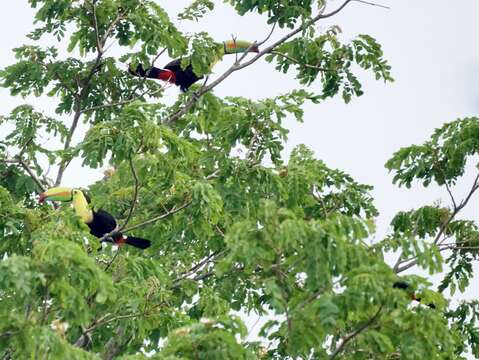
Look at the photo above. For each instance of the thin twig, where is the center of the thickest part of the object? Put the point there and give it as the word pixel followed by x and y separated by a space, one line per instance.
pixel 157 218
pixel 309 66
pixel 147 222
pixel 95 26
pixel 373 4
pixel 135 195
pixel 8 334
pixel 212 257
pixel 30 172
pixel 449 191
pixel 112 259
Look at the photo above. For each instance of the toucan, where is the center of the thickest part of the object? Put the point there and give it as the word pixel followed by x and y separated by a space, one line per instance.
pixel 184 78
pixel 405 286
pixel 99 221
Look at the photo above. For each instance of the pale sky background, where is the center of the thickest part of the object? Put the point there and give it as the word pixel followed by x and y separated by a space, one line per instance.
pixel 432 46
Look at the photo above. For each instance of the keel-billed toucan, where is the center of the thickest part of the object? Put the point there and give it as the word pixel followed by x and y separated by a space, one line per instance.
pixel 405 286
pixel 100 222
pixel 184 78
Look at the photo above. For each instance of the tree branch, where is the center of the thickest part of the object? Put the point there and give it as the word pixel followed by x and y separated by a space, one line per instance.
pixel 18 160
pixel 212 257
pixel 147 222
pixel 135 195
pixel 99 46
pixel 309 66
pixel 451 195
pixel 84 87
pixel 372 4
pixel 354 334
pixel 157 218
pixel 457 209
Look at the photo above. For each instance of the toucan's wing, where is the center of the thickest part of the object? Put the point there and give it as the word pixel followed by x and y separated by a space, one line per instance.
pixel 150 73
pixel 103 223
pixel 401 285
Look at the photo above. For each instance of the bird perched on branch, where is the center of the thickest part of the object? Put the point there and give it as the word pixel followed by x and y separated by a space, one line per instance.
pixel 184 78
pixel 405 286
pixel 100 222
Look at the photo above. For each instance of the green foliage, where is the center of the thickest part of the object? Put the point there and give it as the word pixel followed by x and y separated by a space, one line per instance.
pixel 465 319
pixel 441 159
pixel 326 57
pixel 236 227
pixel 285 13
pixel 196 10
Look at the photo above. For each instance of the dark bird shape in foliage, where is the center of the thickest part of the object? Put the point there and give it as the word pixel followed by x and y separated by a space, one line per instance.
pixel 405 286
pixel 100 222
pixel 184 78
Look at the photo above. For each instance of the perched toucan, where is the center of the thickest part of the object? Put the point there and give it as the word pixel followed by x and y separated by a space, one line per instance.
pixel 184 78
pixel 100 222
pixel 405 286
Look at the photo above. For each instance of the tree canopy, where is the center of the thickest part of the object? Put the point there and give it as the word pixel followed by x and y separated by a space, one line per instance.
pixel 236 227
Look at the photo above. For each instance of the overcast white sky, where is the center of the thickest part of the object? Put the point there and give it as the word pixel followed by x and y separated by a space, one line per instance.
pixel 432 46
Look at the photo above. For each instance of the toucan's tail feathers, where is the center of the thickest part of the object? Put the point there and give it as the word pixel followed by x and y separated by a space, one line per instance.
pixel 150 73
pixel 138 242
pixel 401 285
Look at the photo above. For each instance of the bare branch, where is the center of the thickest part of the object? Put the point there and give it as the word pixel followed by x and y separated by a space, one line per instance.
pixel 112 259
pixel 147 222
pixel 354 334
pixel 99 46
pixel 24 165
pixel 210 258
pixel 451 195
pixel 269 35
pixel 373 4
pixel 115 343
pixel 108 32
pixel 135 194
pixel 157 218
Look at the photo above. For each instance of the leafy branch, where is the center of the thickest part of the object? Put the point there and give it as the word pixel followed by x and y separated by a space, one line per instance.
pixel 346 339
pixel 83 90
pixel 152 220
pixel 456 209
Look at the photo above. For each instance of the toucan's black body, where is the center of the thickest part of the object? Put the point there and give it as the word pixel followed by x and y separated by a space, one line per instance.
pixel 184 78
pixel 104 223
